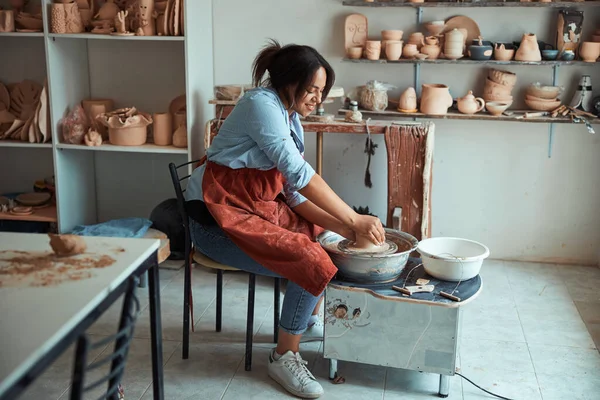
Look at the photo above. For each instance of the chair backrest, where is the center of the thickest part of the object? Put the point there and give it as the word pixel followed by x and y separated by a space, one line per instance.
pixel 177 181
pixel 117 359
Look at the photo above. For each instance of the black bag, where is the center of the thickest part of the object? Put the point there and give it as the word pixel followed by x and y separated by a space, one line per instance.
pixel 166 218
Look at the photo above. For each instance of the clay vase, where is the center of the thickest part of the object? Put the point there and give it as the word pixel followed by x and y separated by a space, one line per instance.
pixel 435 99
pixel 393 50
pixel 589 51
pixel 431 48
pixel 373 49
pixel 416 38
pixel 162 129
pixel 470 104
pixel 529 49
pixel 180 137
pixel 94 111
pixel 7 21
pixel 453 44
pixel 410 50
pixel 408 101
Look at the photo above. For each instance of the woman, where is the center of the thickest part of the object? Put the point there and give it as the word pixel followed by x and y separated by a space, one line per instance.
pixel 256 204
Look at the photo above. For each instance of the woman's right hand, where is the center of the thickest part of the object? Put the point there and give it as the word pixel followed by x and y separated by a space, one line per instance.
pixel 369 226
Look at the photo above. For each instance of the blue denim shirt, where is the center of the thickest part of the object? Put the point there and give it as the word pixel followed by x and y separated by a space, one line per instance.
pixel 260 134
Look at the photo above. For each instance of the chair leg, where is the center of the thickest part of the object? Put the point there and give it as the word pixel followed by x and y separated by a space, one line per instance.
pixel 187 283
pixel 250 321
pixel 219 299
pixel 276 305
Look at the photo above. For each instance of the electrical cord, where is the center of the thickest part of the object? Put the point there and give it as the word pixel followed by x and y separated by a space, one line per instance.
pixel 479 387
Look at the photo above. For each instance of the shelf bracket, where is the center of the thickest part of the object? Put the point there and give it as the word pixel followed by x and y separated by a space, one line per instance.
pixel 417 66
pixel 551 127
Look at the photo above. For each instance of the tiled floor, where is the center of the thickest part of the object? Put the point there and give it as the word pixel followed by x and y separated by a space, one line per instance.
pixel 525 338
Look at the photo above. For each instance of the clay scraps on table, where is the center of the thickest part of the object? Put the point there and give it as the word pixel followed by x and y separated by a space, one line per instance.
pixel 31 269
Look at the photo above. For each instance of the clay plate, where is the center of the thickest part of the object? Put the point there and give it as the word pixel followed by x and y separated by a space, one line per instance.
pixel 22 210
pixel 33 199
pixel 463 22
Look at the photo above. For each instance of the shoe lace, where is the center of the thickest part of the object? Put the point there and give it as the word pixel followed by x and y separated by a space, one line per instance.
pixel 298 367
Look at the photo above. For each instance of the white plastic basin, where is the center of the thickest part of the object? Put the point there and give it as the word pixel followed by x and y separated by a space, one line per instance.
pixel 452 259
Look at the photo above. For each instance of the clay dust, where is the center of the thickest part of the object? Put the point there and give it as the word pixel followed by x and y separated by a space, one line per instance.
pixel 31 269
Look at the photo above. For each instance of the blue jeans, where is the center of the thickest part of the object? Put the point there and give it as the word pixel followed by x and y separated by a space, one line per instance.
pixel 298 304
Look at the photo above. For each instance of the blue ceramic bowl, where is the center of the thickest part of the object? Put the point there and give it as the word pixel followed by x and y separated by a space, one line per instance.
pixel 550 54
pixel 568 56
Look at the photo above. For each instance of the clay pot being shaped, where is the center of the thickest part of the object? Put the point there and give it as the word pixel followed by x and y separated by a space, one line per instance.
pixel 431 48
pixel 470 104
pixel 501 53
pixel 410 50
pixel 416 38
pixel 435 99
pixel 408 101
pixel 529 49
pixel 373 49
pixel 393 50
pixel 589 51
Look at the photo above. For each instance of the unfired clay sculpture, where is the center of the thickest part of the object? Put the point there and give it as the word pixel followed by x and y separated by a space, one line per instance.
pixel 92 138
pixel 67 245
pixel 163 131
pixel 355 31
pixel 528 50
pixel 7 21
pixel 126 126
pixel 121 24
pixel 146 17
pixel 408 101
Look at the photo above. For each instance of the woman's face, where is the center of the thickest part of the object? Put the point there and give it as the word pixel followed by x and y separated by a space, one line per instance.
pixel 312 96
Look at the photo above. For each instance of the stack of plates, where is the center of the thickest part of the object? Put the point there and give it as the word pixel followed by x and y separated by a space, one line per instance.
pixel 35 199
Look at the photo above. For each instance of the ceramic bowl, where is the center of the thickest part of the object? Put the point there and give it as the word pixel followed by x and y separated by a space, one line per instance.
pixel 492 87
pixel 534 98
pixel 542 105
pixel 483 52
pixel 421 56
pixel 544 92
pixel 568 55
pixel 435 28
pixel 452 259
pixel 504 54
pixel 497 107
pixel 501 77
pixel 549 54
pixel 355 52
pixel 391 34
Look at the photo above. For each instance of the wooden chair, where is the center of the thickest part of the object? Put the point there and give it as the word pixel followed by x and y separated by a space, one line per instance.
pixel 192 254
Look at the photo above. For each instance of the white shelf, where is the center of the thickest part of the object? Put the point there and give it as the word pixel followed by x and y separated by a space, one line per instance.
pixel 145 148
pixel 94 36
pixel 22 34
pixel 21 144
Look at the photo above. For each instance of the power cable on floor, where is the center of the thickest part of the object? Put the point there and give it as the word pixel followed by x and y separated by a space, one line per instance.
pixel 479 387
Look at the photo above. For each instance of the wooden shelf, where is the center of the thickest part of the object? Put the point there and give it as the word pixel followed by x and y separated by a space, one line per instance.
pixel 443 4
pixel 46 214
pixel 467 61
pixel 482 116
pixel 145 148
pixel 95 36
pixel 22 34
pixel 22 144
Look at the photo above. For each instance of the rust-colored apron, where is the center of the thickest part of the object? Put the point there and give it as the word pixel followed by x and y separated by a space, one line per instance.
pixel 246 204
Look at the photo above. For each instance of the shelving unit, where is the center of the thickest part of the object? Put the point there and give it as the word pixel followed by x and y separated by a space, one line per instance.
pixel 418 7
pixel 94 184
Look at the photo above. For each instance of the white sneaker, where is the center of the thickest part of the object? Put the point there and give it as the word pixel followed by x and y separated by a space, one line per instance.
pixel 290 372
pixel 314 333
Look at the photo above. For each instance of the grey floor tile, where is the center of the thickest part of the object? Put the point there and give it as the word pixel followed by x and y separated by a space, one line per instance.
pixel 492 323
pixel 568 361
pixel 561 387
pixel 363 382
pixel 589 311
pixel 514 385
pixel 508 356
pixel 403 384
pixel 573 334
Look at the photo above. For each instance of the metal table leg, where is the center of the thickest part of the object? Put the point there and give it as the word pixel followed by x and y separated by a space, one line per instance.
pixel 156 331
pixel 332 368
pixel 444 386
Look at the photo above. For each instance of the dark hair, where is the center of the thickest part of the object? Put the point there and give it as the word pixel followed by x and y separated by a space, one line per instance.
pixel 290 65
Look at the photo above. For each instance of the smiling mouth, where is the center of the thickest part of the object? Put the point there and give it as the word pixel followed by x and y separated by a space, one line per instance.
pixel 311 107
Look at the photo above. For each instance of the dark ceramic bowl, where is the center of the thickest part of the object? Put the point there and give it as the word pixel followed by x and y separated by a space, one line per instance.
pixel 568 56
pixel 550 54
pixel 475 42
pixel 481 52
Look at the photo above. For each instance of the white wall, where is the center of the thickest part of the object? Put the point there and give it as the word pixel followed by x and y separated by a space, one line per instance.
pixel 493 182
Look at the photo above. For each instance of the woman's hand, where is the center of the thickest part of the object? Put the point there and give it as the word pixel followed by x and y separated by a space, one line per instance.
pixel 371 227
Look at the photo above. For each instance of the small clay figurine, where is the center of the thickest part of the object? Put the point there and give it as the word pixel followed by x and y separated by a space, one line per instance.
pixel 146 17
pixel 121 24
pixel 92 138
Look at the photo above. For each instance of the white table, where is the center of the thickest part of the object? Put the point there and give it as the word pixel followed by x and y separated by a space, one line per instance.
pixel 38 323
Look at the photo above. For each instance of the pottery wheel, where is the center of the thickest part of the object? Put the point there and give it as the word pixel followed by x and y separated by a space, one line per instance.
pixel 346 246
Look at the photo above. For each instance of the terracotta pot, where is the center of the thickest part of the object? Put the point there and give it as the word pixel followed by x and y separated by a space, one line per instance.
pixel 435 99
pixel 432 41
pixel 529 49
pixel 373 49
pixel 589 51
pixel 431 50
pixel 163 129
pixel 391 34
pixel 408 101
pixel 454 44
pixel 410 50
pixel 492 87
pixel 355 52
pixel 501 53
pixel 416 38
pixel 501 77
pixel 129 136
pixel 178 120
pixel 393 50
